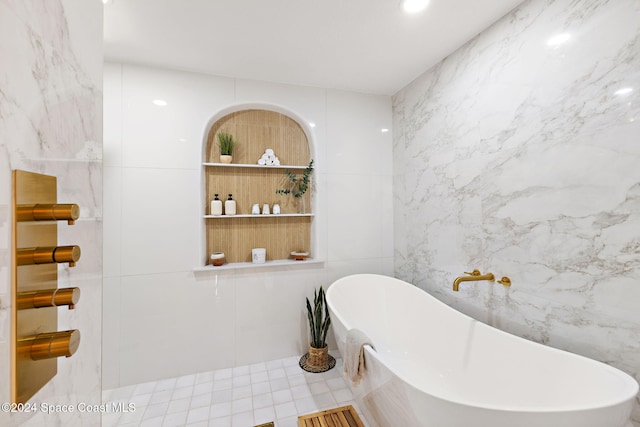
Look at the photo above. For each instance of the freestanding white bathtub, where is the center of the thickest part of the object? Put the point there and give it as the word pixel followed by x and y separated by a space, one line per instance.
pixel 436 367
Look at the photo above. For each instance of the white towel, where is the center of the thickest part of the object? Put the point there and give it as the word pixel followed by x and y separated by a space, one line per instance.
pixel 354 355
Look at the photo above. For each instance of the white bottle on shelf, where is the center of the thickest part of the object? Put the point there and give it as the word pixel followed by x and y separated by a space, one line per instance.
pixel 230 206
pixel 216 206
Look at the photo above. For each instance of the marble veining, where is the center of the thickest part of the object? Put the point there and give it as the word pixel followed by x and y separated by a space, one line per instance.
pixel 520 158
pixel 51 123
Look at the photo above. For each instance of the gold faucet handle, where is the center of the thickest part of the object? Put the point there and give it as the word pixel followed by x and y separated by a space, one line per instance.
pixel 473 273
pixel 505 281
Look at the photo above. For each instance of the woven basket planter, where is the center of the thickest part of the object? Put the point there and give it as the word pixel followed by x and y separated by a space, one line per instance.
pixel 318 356
pixel 317 360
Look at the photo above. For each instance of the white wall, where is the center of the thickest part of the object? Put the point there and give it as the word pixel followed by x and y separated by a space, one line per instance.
pixel 518 158
pixel 51 123
pixel 160 318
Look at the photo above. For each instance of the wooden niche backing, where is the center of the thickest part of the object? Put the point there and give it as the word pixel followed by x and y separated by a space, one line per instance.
pixel 254 132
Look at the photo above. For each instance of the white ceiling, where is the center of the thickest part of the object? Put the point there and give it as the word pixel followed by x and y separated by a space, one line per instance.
pixel 368 46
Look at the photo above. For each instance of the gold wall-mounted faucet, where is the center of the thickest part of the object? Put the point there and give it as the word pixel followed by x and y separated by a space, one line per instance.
pixel 473 276
pixel 36 342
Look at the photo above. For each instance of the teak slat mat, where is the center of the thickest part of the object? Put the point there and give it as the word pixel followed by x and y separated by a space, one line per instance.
pixel 345 416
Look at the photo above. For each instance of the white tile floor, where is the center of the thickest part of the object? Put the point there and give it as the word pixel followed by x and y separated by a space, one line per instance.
pixel 277 391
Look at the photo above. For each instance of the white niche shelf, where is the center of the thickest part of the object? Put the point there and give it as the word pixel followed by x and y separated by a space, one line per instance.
pixel 249 165
pixel 254 216
pixel 236 235
pixel 247 265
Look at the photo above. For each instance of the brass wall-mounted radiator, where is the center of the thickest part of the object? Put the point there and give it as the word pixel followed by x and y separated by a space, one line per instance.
pixel 37 343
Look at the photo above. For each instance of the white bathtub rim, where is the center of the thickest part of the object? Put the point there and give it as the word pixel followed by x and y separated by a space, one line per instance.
pixel 631 387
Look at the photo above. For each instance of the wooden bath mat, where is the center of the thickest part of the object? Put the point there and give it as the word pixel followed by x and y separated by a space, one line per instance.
pixel 345 416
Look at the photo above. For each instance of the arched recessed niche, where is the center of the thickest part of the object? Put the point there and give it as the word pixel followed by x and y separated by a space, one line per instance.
pixel 256 130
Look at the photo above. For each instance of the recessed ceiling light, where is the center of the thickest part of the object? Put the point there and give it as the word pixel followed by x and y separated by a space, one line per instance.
pixel 106 1
pixel 384 130
pixel 311 124
pixel 559 39
pixel 624 91
pixel 160 102
pixel 414 6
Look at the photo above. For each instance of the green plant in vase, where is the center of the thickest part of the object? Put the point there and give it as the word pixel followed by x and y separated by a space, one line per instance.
pixel 297 186
pixel 226 143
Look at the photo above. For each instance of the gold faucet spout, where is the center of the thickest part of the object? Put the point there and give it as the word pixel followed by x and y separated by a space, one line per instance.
pixel 472 277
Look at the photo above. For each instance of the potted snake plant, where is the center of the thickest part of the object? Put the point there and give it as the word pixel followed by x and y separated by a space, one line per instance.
pixel 318 358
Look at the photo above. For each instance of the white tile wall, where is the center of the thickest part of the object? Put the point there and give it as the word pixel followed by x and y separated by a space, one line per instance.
pixel 171 136
pixel 356 203
pixel 112 114
pixel 153 225
pixel 160 209
pixel 355 141
pixel 112 259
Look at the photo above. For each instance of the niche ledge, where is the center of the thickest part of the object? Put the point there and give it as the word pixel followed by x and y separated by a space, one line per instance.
pixel 249 265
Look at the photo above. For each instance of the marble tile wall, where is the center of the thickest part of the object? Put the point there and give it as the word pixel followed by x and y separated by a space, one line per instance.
pixel 162 319
pixel 51 123
pixel 520 157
